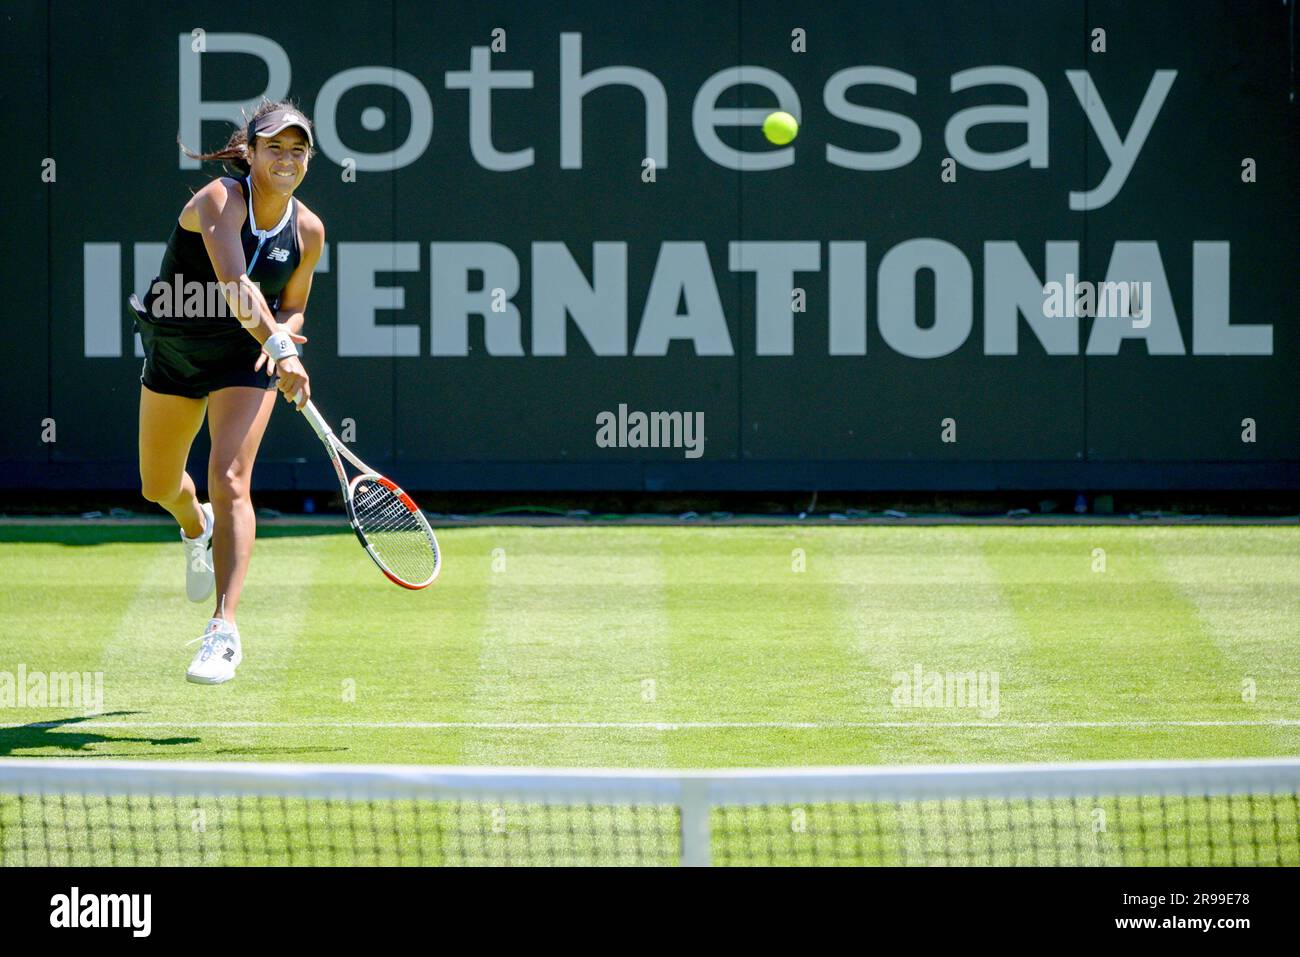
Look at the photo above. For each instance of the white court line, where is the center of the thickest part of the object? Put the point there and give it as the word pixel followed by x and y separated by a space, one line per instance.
pixel 651 725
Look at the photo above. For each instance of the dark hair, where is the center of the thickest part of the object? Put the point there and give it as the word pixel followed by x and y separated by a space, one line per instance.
pixel 235 153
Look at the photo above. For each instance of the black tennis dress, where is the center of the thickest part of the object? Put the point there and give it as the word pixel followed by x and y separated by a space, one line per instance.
pixel 193 342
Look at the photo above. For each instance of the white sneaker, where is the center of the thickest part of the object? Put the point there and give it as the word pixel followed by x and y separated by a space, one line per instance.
pixel 200 579
pixel 220 655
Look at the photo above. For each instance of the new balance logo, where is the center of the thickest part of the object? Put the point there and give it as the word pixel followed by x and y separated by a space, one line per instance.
pixel 229 655
pixel 279 255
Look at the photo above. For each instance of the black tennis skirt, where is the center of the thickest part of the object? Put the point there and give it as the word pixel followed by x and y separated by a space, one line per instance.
pixel 185 358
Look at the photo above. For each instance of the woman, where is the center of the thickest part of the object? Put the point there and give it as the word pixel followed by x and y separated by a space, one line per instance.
pixel 219 328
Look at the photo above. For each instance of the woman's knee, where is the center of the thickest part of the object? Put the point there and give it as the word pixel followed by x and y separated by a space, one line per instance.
pixel 228 487
pixel 160 488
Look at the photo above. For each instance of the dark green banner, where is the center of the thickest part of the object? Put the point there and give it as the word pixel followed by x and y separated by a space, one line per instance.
pixel 1034 245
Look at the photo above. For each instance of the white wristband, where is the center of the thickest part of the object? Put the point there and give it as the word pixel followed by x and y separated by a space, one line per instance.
pixel 279 346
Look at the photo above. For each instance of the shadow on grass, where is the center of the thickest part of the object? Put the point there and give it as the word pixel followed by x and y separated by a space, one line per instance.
pixel 259 751
pixel 48 734
pixel 94 534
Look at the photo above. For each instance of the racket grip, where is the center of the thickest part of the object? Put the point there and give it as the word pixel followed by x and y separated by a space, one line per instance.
pixel 297 397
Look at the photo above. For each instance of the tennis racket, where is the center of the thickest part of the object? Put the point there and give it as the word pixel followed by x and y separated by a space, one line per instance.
pixel 391 527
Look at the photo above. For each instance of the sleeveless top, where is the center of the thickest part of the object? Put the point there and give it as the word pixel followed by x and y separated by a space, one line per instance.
pixel 271 256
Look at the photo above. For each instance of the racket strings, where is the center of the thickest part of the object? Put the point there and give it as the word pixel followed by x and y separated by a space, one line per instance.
pixel 398 537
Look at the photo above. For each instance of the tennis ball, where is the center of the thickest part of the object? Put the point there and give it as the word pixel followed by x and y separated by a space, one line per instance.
pixel 780 128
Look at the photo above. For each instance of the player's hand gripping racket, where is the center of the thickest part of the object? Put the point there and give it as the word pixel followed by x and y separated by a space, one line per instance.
pixel 391 527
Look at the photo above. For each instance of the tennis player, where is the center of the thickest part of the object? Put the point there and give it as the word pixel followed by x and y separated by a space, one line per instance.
pixel 224 354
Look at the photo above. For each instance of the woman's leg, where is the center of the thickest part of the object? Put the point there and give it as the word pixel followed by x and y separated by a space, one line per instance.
pixel 237 418
pixel 168 424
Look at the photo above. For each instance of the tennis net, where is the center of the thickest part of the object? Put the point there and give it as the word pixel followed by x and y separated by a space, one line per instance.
pixel 91 813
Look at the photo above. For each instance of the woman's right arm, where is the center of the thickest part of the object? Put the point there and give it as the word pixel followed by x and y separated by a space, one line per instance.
pixel 219 213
